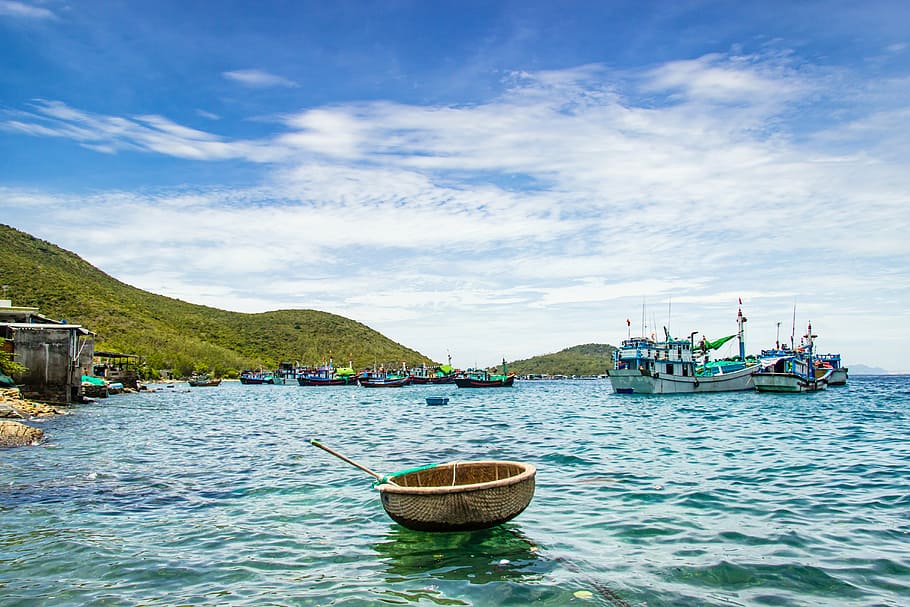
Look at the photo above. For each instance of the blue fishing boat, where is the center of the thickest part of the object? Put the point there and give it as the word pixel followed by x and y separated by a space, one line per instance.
pixel 792 369
pixel 257 377
pixel 838 370
pixel 383 379
pixel 328 375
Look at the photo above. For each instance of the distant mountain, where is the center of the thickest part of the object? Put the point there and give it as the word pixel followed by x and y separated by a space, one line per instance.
pixel 864 370
pixel 172 334
pixel 587 359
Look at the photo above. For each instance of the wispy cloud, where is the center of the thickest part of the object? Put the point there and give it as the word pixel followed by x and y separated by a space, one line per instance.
pixel 10 8
pixel 574 193
pixel 259 79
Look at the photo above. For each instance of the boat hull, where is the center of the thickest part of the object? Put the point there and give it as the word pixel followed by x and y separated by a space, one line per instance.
pixel 838 377
pixel 315 381
pixel 467 382
pixel 788 382
pixel 385 383
pixel 634 381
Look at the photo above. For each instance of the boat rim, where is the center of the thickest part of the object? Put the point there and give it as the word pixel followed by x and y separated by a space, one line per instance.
pixel 528 472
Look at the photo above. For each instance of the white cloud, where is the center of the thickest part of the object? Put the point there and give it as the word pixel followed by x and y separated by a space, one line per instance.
pixel 25 11
pixel 531 222
pixel 259 79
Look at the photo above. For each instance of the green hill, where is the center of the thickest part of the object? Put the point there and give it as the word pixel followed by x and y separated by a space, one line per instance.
pixel 172 334
pixel 587 359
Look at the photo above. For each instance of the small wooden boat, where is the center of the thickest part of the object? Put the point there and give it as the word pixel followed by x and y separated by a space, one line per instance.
pixel 203 381
pixel 437 400
pixel 457 496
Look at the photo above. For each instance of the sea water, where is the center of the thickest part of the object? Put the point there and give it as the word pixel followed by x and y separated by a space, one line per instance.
pixel 212 496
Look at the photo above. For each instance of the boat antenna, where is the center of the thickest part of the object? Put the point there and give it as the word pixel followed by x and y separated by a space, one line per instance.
pixel 777 342
pixel 629 328
pixel 793 329
pixel 643 334
pixel 667 328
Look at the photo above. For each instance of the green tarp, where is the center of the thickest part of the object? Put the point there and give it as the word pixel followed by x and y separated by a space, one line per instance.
pixel 6 381
pixel 713 345
pixel 95 381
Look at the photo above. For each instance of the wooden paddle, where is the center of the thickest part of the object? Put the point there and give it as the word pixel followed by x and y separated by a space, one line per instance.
pixel 378 476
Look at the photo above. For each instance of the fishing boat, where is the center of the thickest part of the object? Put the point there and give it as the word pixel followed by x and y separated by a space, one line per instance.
pixel 384 379
pixel 455 496
pixel 643 365
pixel 328 375
pixel 481 378
pixel 443 374
pixel 285 374
pixel 838 370
pixel 203 381
pixel 257 377
pixel 792 370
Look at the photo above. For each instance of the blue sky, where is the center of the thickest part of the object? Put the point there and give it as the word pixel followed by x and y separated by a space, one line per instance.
pixel 486 179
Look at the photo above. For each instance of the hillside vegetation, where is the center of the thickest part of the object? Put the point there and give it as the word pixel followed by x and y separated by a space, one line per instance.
pixel 587 359
pixel 172 334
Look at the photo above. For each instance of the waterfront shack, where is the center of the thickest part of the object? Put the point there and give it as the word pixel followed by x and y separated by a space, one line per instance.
pixel 54 353
pixel 116 367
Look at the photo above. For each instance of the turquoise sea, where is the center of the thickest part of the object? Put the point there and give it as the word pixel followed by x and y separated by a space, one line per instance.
pixel 211 496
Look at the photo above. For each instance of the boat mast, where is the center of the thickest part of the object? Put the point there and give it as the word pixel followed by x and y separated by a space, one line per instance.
pixel 740 321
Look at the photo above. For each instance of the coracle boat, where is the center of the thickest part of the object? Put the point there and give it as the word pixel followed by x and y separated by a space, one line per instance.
pixel 457 496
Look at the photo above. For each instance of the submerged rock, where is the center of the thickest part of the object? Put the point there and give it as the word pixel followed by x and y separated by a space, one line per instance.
pixel 16 434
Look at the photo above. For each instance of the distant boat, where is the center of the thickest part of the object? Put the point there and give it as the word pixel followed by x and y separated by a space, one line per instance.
pixel 789 370
pixel 384 379
pixel 201 381
pixel 257 377
pixel 443 374
pixel 646 366
pixel 838 371
pixel 476 378
pixel 285 374
pixel 328 375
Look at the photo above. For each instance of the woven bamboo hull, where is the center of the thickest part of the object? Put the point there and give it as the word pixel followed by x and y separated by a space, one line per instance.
pixel 459 496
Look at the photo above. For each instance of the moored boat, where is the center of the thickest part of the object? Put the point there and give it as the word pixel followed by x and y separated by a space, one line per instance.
pixel 328 375
pixel 383 379
pixel 257 377
pixel 839 373
pixel 792 370
pixel 481 378
pixel 203 381
pixel 678 366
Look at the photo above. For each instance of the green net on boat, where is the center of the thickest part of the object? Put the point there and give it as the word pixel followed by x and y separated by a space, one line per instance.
pixel 388 477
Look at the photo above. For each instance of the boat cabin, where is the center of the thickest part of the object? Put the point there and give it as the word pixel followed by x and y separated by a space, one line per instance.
pixel 673 357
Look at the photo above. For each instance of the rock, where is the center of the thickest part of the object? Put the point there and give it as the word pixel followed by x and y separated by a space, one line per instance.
pixel 16 434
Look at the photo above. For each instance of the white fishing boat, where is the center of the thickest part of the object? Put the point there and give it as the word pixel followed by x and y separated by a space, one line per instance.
pixel 678 366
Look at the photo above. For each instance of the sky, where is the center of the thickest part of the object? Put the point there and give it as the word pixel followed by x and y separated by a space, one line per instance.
pixel 484 180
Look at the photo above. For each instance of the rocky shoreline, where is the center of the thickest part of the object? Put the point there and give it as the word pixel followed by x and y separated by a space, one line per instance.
pixel 13 407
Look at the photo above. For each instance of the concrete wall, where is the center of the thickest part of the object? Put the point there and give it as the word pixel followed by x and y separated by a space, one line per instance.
pixel 48 354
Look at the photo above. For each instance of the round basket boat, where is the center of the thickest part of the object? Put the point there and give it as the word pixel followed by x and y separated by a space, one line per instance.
pixel 458 496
